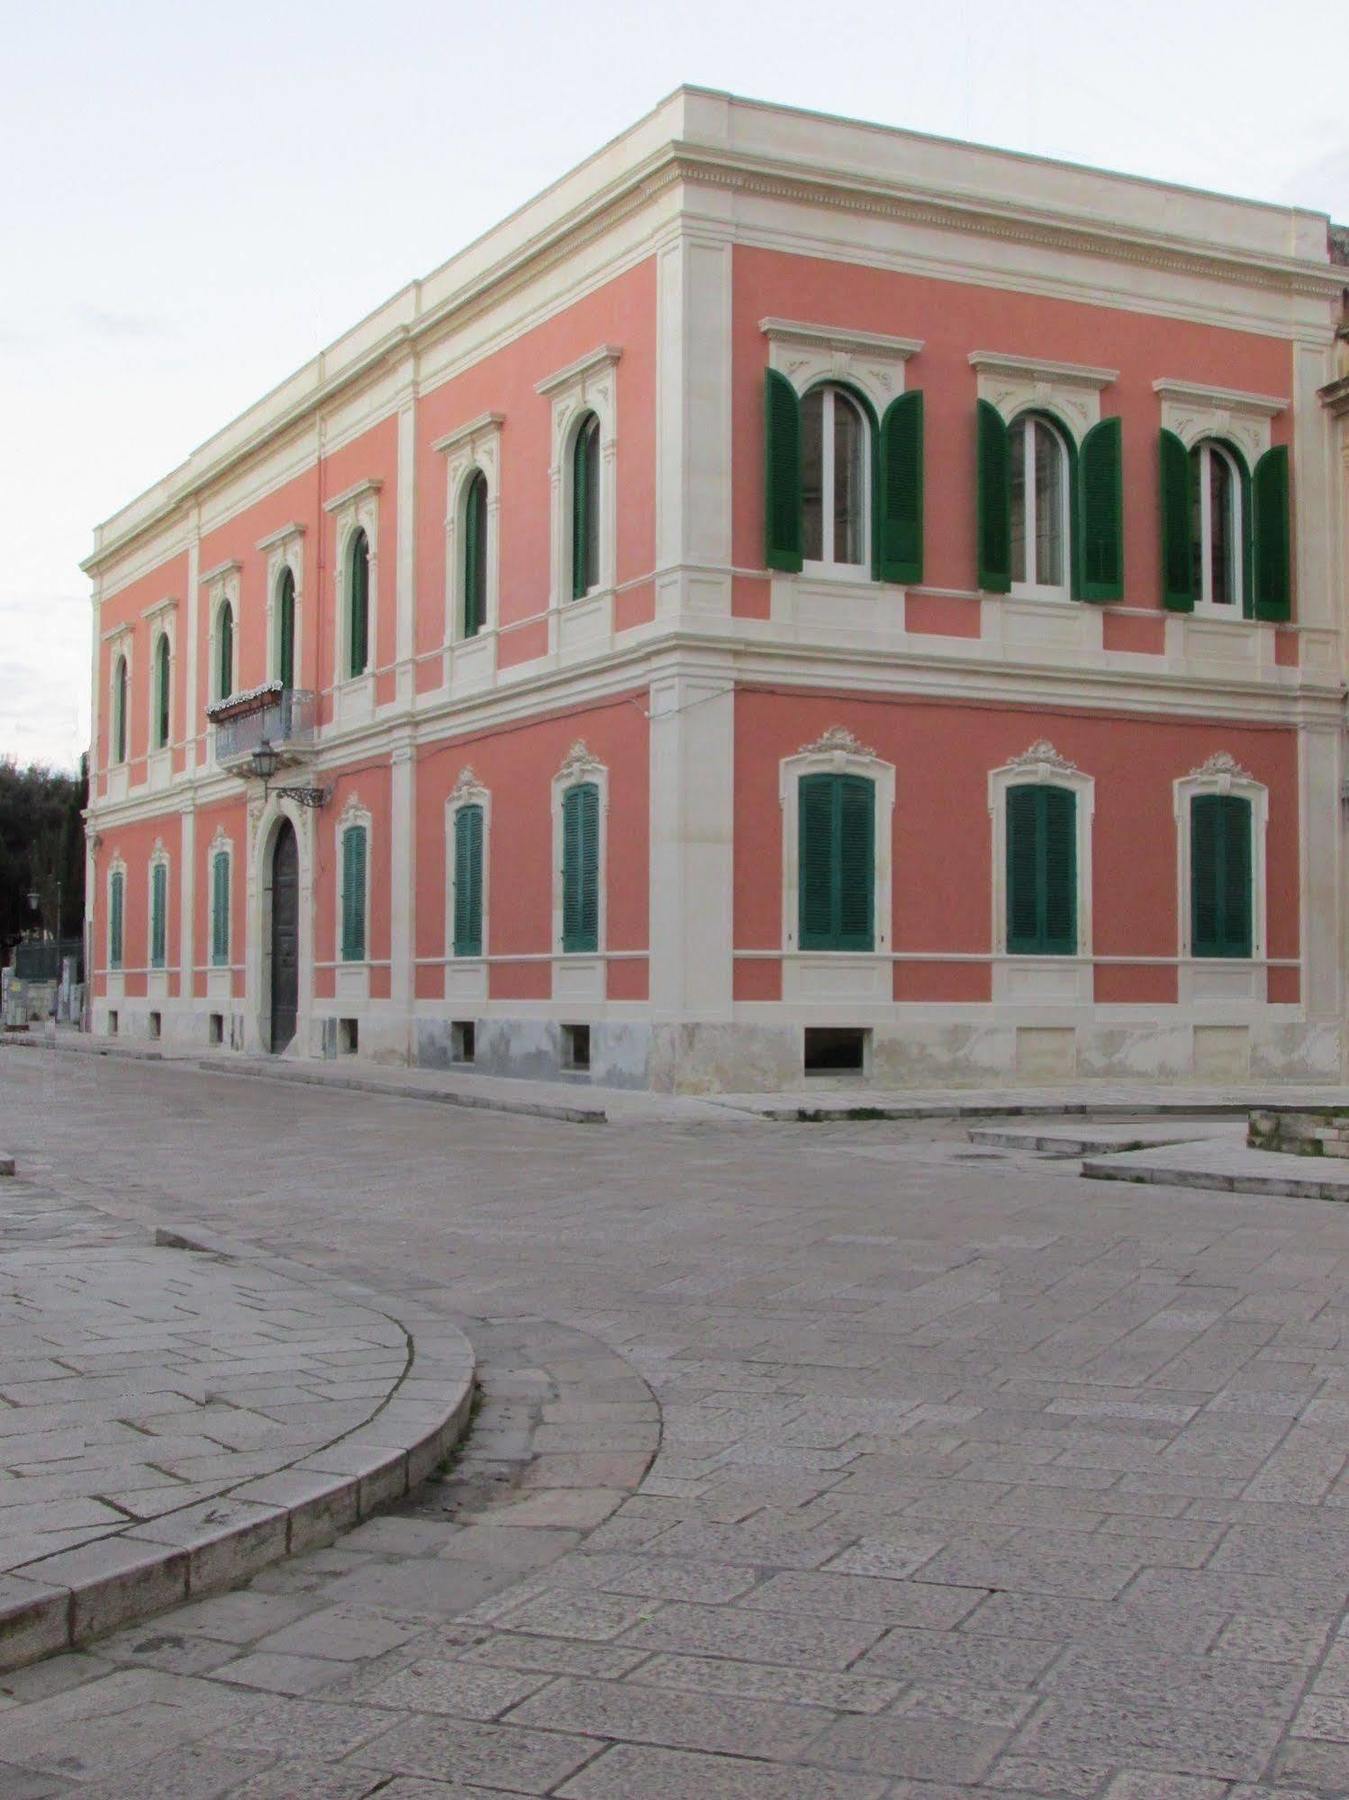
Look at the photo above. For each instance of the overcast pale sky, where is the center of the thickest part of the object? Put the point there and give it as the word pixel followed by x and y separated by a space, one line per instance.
pixel 195 199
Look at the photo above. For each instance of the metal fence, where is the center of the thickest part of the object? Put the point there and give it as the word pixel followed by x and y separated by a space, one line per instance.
pixel 283 718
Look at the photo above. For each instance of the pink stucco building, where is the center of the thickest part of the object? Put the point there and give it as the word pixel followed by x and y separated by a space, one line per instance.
pixel 797 595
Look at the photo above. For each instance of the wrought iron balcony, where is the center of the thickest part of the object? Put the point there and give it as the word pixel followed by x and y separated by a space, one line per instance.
pixel 280 716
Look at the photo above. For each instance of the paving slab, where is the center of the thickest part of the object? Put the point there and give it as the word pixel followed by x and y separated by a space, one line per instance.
pixel 1099 1137
pixel 1227 1165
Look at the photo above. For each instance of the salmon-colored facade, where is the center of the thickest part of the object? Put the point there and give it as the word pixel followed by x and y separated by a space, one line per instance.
pixel 475 697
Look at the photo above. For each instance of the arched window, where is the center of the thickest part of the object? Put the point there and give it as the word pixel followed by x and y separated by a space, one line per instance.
pixel 585 508
pixel 475 555
pixel 162 690
pixel 1217 517
pixel 119 685
pixel 468 869
pixel 836 828
pixel 116 895
pixel 358 604
pixel 285 628
pixel 225 652
pixel 1038 484
pixel 835 483
pixel 581 868
pixel 1041 870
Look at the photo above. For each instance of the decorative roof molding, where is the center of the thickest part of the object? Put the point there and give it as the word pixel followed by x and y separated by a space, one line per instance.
pixel 1222 767
pixel 838 741
pixel 463 434
pixel 282 535
pixel 604 356
pixel 1197 393
pixel 1043 759
pixel 840 339
pixel 160 607
pixel 467 787
pixel 1334 396
pixel 1037 369
pixel 125 630
pixel 349 496
pixel 230 566
pixel 579 762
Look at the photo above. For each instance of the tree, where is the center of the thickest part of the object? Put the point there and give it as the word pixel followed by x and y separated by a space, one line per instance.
pixel 41 846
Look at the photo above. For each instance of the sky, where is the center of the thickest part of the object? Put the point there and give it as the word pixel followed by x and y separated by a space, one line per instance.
pixel 195 199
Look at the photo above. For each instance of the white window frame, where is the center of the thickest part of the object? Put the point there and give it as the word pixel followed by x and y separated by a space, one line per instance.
pixel 467 791
pixel 355 509
pixel 120 648
pixel 116 867
pixel 353 813
pixel 159 859
pixel 579 974
pixel 221 845
pixel 1220 774
pixel 837 752
pixel 222 587
pixel 1065 979
pixel 284 550
pixel 589 385
pixel 162 621
pixel 1032 588
pixel 1204 603
pixel 471 449
pixel 830 564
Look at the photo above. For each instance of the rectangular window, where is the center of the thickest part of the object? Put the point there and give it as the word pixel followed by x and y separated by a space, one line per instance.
pixel 116 886
pixel 353 893
pixel 1220 875
pixel 220 909
pixel 1041 871
pixel 836 837
pixel 468 849
pixel 159 914
pixel 581 868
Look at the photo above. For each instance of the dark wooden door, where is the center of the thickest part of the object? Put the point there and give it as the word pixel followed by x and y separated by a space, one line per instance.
pixel 285 936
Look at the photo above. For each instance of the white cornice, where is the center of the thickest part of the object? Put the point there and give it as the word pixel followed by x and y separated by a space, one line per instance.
pixel 357 491
pixel 221 569
pixel 1035 368
pixel 488 421
pixel 604 356
pixel 828 337
pixel 281 535
pixel 1190 393
pixel 160 606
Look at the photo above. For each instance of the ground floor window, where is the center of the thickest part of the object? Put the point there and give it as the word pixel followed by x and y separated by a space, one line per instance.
pixel 1220 875
pixel 1041 871
pixel 159 914
pixel 581 868
pixel 353 893
pixel 468 868
pixel 836 824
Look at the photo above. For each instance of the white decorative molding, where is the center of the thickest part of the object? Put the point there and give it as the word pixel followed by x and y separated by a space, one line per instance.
pixel 218 571
pixel 838 742
pixel 285 550
pixel 355 509
pixel 467 789
pixel 161 608
pixel 466 976
pixel 472 449
pixel 1194 412
pixel 588 385
pixel 1039 369
pixel 282 535
pixel 1043 761
pixel 580 975
pixel 1222 766
pixel 350 496
pixel 579 764
pixel 1220 978
pixel 866 360
pixel 464 434
pixel 1069 392
pixel 594 362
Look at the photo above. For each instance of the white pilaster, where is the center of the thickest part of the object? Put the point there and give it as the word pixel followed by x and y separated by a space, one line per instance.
pixel 402 879
pixel 187 889
pixel 192 601
pixel 406 569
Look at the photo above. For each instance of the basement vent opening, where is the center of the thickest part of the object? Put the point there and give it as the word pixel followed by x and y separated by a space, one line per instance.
pixel 348 1037
pixel 575 1046
pixel 836 1050
pixel 463 1044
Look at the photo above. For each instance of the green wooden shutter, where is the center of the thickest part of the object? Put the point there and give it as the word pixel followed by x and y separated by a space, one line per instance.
pixel 836 862
pixel 1272 558
pixel 993 510
pixel 115 920
pixel 1220 876
pixel 782 474
pixel 353 894
pixel 220 909
pixel 468 848
pixel 475 555
pixel 119 712
pixel 583 474
pixel 900 536
pixel 1177 547
pixel 285 661
pixel 162 691
pixel 358 600
pixel 1041 866
pixel 225 672
pixel 580 868
pixel 1100 525
pixel 159 900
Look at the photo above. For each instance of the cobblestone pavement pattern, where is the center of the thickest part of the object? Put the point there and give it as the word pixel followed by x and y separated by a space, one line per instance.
pixel 973 1478
pixel 136 1381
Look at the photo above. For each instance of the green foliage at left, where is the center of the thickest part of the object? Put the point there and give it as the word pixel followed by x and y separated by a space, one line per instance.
pixel 41 844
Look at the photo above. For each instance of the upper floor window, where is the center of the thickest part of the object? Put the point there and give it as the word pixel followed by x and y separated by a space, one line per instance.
pixel 358 603
pixel 119 698
pixel 585 507
pixel 159 914
pixel 836 862
pixel 225 652
pixel 1221 888
pixel 285 628
pixel 1217 526
pixel 354 893
pixel 835 480
pixel 475 555
pixel 116 898
pixel 163 666
pixel 220 909
pixel 1038 492
pixel 581 867
pixel 468 880
pixel 1041 880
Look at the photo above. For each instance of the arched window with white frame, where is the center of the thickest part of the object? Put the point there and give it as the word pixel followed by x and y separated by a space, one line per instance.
pixel 285 626
pixel 358 603
pixel 586 522
pixel 162 690
pixel 1039 491
pixel 1218 528
pixel 119 706
pixel 835 481
pixel 224 672
pixel 475 555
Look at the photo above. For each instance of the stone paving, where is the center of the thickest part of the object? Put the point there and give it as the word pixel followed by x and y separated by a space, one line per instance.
pixel 973 1478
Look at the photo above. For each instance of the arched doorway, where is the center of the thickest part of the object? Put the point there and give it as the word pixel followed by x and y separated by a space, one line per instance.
pixel 285 947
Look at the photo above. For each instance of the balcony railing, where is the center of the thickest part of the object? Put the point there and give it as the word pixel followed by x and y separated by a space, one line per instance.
pixel 282 717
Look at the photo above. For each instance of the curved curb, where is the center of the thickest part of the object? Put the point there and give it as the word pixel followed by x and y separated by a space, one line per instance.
pixel 60 1602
